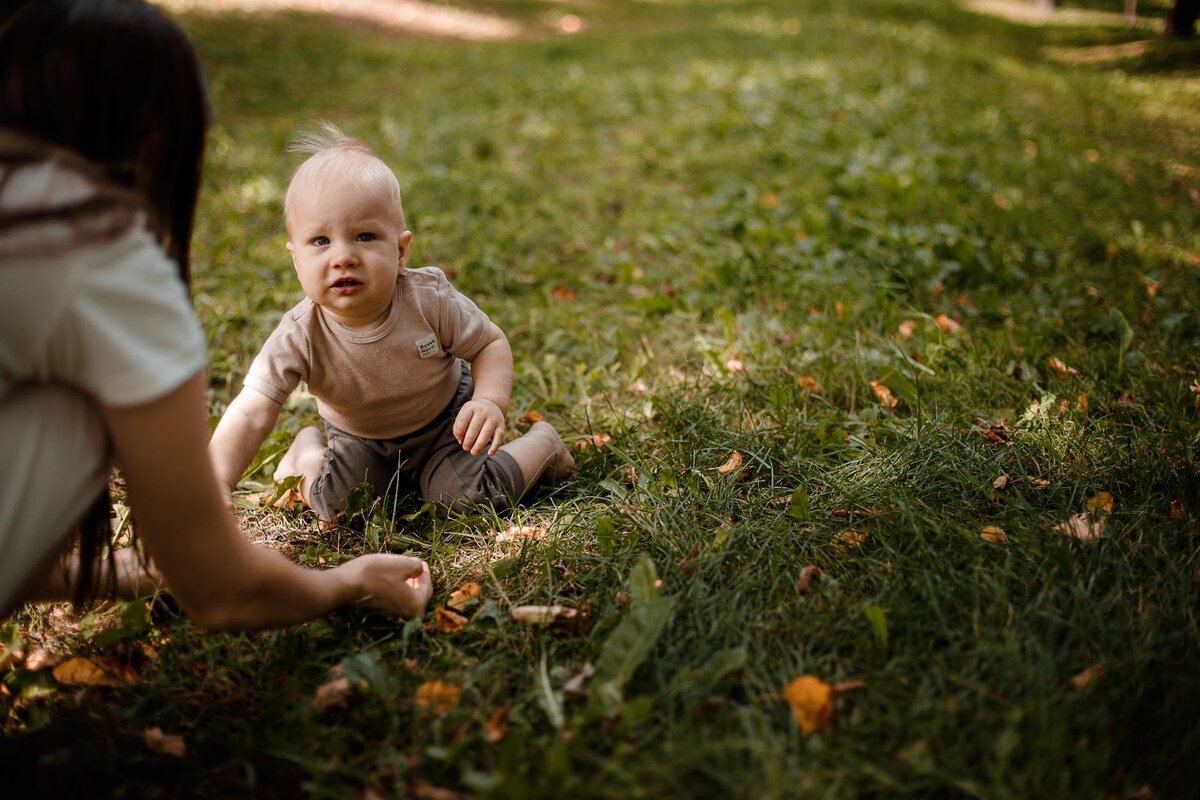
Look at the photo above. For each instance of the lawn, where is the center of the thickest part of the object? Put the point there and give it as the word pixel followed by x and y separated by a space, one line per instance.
pixel 850 311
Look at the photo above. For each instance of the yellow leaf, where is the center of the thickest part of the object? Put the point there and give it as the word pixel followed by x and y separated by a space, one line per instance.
pixel 461 597
pixel 1081 526
pixel 168 744
pixel 1102 501
pixel 543 615
pixel 449 621
pixel 436 696
pixel 811 700
pixel 993 533
pixel 1060 368
pixel 495 727
pixel 850 537
pixel 332 693
pixel 734 462
pixel 515 532
pixel 884 395
pixel 94 671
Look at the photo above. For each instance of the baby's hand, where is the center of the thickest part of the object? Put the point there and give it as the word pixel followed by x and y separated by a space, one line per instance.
pixel 479 425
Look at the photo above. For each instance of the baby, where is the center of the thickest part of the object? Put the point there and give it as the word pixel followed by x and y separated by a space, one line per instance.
pixel 381 347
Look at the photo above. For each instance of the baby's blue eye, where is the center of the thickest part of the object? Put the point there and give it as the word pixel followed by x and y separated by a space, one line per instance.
pixel 367 237
pixel 320 241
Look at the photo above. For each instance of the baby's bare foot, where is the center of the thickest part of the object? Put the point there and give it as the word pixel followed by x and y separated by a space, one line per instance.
pixel 561 463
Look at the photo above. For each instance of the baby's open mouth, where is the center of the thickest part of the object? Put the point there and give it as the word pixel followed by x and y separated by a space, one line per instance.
pixel 342 282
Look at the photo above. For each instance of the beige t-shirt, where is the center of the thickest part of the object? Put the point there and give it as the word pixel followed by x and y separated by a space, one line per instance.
pixel 386 381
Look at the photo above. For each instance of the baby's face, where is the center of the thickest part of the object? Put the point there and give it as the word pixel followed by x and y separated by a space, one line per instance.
pixel 348 244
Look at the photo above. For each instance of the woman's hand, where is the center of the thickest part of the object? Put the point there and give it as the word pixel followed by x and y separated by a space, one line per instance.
pixel 396 584
pixel 479 425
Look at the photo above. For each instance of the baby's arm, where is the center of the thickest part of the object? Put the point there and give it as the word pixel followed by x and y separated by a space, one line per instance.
pixel 480 422
pixel 240 433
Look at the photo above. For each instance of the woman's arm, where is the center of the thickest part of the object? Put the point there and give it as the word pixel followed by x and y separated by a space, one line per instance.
pixel 219 578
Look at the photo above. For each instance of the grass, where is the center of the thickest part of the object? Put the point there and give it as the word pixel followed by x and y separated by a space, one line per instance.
pixel 676 190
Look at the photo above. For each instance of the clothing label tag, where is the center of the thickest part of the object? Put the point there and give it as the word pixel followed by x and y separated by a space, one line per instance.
pixel 429 346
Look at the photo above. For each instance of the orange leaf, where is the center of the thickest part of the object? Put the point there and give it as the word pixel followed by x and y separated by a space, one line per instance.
pixel 811 700
pixel 563 293
pixel 94 671
pixel 448 621
pixel 597 440
pixel 884 395
pixel 1090 676
pixel 948 324
pixel 993 533
pixel 436 696
pixel 1102 501
pixel 495 727
pixel 734 462
pixel 1060 368
pixel 531 416
pixel 515 532
pixel 1080 526
pixel 850 537
pixel 332 693
pixel 808 383
pixel 543 615
pixel 461 597
pixel 168 744
pixel 905 329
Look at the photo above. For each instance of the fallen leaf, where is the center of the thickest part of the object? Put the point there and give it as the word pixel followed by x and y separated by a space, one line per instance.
pixel 993 533
pixel 598 441
pixel 495 727
pixel 1081 526
pixel 811 700
pixel 808 383
pixel 948 324
pixel 543 615
pixel 734 462
pixel 332 693
pixel 769 200
pixel 807 580
pixel 461 597
pixel 515 532
pixel 1090 676
pixel 850 537
pixel 735 364
pixel 884 395
pixel 1102 501
pixel 997 433
pixel 93 671
pixel 563 293
pixel 845 687
pixel 1001 483
pixel 630 475
pixel 574 687
pixel 1040 483
pixel 420 790
pixel 167 744
pixel 371 794
pixel 638 388
pixel 449 621
pixel 531 416
pixel 436 696
pixel 40 658
pixel 1060 368
pixel 1081 402
pixel 1178 509
pixel 905 329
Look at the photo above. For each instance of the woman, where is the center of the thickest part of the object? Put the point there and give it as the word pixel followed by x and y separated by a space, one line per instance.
pixel 103 113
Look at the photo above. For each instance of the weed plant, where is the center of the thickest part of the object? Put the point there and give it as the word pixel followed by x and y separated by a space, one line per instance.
pixel 707 227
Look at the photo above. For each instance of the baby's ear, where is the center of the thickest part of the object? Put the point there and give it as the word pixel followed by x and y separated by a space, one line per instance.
pixel 405 247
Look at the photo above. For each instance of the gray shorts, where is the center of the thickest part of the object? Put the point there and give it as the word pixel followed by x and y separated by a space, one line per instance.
pixel 429 460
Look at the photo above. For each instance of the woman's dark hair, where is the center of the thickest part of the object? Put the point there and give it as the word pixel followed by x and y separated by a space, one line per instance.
pixel 118 83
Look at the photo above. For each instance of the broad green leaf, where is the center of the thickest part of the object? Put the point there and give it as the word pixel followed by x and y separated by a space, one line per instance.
pixel 798 509
pixel 643 580
pixel 626 648
pixel 877 616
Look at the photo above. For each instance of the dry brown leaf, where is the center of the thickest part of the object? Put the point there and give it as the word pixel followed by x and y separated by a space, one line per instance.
pixel 905 329
pixel 563 293
pixel 495 727
pixel 94 671
pixel 1081 402
pixel 531 416
pixel 449 621
pixel 436 696
pixel 1060 368
pixel 638 388
pixel 845 687
pixel 630 475
pixel 1178 509
pixel 332 693
pixel 1081 526
pixel 1040 483
pixel 993 533
pixel 420 790
pixel 997 433
pixel 808 383
pixel 543 615
pixel 461 597
pixel 167 744
pixel 733 462
pixel 1090 676
pixel 806 582
pixel 598 441
pixel 884 395
pixel 1001 483
pixel 948 324
pixel 514 532
pixel 811 700
pixel 1102 501
pixel 850 537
